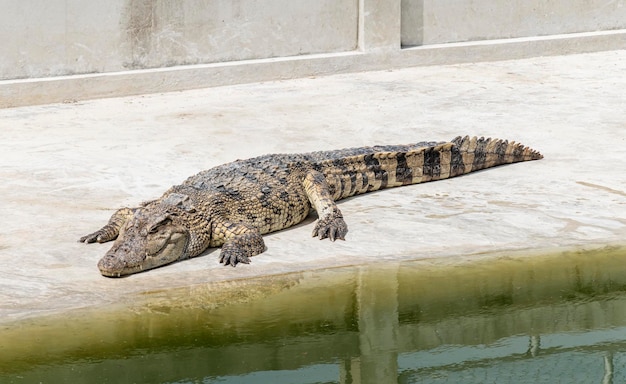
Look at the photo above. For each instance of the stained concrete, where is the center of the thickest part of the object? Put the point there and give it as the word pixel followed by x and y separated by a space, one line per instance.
pixel 67 167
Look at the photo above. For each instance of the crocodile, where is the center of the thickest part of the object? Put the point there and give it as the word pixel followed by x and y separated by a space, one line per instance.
pixel 232 205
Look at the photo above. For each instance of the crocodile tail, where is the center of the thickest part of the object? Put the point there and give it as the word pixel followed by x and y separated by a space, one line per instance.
pixel 405 165
pixel 472 154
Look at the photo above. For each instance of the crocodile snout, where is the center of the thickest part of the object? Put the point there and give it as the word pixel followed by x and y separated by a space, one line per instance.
pixel 111 266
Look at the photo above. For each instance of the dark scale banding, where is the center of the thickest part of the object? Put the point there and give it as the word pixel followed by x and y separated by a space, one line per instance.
pixel 381 175
pixel 340 178
pixel 353 182
pixel 404 174
pixel 372 173
pixel 480 155
pixel 365 183
pixel 436 164
pixel 457 167
pixel 501 147
pixel 232 205
pixel 432 166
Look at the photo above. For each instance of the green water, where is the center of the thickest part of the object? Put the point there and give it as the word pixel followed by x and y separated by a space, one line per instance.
pixel 559 318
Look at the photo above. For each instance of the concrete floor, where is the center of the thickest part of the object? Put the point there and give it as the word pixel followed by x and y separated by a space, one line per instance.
pixel 67 167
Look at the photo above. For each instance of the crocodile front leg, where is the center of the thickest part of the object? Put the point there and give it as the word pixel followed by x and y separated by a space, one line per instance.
pixel 111 230
pixel 241 242
pixel 330 223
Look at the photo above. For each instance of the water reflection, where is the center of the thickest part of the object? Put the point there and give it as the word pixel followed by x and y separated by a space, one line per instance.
pixel 518 320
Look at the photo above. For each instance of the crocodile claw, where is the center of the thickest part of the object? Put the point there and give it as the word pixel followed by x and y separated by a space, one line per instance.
pixel 332 227
pixel 240 248
pixel 92 238
pixel 232 257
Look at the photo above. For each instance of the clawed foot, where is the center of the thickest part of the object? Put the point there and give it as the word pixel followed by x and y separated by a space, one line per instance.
pixel 100 236
pixel 241 248
pixel 111 230
pixel 231 255
pixel 331 226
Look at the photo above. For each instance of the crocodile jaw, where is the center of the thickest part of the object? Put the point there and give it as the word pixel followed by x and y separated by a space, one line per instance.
pixel 132 255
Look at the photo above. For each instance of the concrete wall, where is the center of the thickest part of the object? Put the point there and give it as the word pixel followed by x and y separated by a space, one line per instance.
pixel 64 37
pixel 446 21
pixel 123 47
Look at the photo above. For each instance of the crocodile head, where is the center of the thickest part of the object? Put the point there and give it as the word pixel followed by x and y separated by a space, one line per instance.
pixel 147 240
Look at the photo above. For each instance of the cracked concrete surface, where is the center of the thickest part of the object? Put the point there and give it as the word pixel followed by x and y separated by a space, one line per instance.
pixel 66 167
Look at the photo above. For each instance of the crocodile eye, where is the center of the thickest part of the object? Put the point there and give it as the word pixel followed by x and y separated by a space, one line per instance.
pixel 155 228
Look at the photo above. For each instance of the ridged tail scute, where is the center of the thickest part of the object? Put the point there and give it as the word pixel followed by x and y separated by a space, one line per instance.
pixel 473 154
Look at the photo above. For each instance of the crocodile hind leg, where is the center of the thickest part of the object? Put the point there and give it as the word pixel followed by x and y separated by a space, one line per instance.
pixel 330 223
pixel 111 230
pixel 241 242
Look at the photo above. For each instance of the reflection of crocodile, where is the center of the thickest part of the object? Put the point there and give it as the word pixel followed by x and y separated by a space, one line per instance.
pixel 233 204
